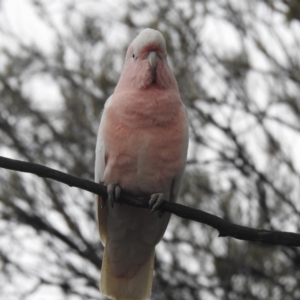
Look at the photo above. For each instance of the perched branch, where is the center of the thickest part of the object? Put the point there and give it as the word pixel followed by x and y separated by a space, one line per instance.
pixel 225 228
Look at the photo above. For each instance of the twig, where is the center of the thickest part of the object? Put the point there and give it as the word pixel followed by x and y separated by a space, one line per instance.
pixel 225 228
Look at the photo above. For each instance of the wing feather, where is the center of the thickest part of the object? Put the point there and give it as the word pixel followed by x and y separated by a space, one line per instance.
pixel 99 173
pixel 176 182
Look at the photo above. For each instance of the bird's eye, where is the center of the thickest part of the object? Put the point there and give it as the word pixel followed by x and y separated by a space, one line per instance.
pixel 133 56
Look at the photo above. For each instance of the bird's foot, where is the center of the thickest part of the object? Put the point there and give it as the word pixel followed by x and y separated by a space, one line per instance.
pixel 113 192
pixel 155 203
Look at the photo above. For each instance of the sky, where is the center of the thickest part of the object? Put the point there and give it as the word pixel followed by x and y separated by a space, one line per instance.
pixel 22 20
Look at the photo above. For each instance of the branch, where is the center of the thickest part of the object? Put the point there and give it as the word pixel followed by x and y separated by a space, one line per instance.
pixel 225 228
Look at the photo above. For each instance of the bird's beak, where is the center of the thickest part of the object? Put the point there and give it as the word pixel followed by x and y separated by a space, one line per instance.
pixel 153 59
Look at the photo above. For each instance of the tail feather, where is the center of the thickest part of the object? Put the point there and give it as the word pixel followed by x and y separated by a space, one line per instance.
pixel 137 287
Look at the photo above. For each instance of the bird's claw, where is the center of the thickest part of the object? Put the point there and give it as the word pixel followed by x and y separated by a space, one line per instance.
pixel 113 192
pixel 155 203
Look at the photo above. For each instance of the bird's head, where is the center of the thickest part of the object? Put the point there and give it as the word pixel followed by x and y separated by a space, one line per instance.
pixel 146 62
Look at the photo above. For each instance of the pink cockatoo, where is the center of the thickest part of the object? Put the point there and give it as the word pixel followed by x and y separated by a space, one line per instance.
pixel 141 148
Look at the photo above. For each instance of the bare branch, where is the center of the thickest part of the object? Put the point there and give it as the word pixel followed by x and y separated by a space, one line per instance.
pixel 225 228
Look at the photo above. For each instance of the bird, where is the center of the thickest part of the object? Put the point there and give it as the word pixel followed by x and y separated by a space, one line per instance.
pixel 141 148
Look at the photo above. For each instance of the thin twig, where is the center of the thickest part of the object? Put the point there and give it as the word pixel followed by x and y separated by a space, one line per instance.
pixel 225 228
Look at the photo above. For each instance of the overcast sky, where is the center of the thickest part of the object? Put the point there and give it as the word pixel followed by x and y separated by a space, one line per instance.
pixel 19 17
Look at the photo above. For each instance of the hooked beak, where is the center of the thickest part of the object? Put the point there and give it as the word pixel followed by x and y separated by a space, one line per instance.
pixel 153 59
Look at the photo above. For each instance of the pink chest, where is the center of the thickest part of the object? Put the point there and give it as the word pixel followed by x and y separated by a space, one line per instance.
pixel 144 158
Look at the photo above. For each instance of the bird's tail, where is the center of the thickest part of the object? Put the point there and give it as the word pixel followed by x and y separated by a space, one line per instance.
pixel 137 287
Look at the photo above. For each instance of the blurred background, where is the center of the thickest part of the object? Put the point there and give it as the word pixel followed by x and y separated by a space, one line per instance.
pixel 237 64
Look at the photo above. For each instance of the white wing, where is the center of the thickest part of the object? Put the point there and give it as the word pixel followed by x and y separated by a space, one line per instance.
pixel 100 156
pixel 100 147
pixel 176 184
pixel 99 173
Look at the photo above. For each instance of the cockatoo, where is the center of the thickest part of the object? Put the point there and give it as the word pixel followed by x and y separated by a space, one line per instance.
pixel 141 148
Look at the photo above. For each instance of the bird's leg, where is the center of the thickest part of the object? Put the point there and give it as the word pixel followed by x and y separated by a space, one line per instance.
pixel 155 202
pixel 113 192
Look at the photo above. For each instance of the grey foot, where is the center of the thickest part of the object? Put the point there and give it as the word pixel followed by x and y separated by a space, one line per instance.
pixel 156 201
pixel 113 192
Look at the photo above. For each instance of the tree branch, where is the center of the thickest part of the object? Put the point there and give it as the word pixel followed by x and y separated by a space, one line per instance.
pixel 225 228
